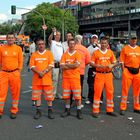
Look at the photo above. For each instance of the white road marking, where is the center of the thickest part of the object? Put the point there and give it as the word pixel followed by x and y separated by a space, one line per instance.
pixel 26 91
pixel 30 86
pixel 23 75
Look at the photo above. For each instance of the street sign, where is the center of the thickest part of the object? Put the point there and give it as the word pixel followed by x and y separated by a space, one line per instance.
pixel 44 27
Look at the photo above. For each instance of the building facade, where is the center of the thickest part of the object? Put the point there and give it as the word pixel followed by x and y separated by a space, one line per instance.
pixel 116 17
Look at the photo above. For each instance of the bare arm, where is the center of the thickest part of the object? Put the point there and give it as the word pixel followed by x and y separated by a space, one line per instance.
pixel 64 67
pixel 69 66
pixel 51 35
pixel 47 69
pixel 97 65
pixel 50 38
pixel 35 70
pixel 73 66
pixel 112 65
pixel 42 73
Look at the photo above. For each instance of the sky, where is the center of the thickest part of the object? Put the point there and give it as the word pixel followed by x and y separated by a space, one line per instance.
pixel 5 7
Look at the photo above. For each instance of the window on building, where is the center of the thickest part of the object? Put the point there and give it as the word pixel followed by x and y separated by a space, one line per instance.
pixel 133 0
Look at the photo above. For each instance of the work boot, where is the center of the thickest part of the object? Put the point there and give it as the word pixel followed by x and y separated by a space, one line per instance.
pixel 111 114
pixel 38 114
pixel 66 113
pixel 79 114
pixel 0 116
pixel 137 111
pixel 83 98
pixel 122 112
pixel 13 116
pixel 95 115
pixel 50 114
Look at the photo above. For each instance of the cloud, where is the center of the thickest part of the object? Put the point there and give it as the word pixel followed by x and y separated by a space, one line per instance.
pixel 19 12
pixel 3 17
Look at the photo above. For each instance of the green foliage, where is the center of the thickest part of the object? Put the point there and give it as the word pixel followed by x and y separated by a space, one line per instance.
pixel 53 16
pixel 5 28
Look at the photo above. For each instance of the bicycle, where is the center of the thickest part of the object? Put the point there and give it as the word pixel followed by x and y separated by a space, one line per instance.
pixel 117 71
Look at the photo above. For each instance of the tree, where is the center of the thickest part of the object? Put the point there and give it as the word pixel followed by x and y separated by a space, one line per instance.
pixel 5 28
pixel 53 16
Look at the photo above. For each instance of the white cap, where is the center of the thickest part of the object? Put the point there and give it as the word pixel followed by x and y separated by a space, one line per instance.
pixel 94 35
pixel 78 38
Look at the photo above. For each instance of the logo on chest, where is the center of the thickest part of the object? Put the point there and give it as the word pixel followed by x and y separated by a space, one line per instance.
pixel 134 54
pixel 14 53
pixel 70 61
pixel 104 59
pixel 40 60
pixel 5 53
pixel 10 54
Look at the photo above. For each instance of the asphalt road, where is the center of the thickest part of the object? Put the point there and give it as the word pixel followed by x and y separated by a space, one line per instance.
pixel 103 128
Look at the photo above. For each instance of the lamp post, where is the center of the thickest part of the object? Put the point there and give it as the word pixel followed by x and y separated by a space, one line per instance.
pixel 32 10
pixel 63 19
pixel 129 22
pixel 63 24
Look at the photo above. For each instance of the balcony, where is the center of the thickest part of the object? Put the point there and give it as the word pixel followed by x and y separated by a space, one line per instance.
pixel 107 19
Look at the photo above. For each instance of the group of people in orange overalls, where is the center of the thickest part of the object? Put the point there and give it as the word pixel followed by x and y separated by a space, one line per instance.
pixel 42 63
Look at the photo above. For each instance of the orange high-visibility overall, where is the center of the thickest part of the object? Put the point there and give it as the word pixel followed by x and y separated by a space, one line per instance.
pixel 103 79
pixel 41 61
pixel 11 61
pixel 71 77
pixel 130 57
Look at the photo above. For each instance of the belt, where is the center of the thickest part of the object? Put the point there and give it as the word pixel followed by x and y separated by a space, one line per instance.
pixel 10 70
pixel 57 65
pixel 130 67
pixel 104 72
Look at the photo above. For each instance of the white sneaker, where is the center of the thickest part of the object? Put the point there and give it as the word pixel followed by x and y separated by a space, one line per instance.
pixel 58 96
pixel 87 102
pixel 101 102
pixel 82 105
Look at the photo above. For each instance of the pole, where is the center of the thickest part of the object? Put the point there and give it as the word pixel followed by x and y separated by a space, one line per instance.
pixel 129 22
pixel 41 17
pixel 44 31
pixel 112 32
pixel 63 25
pixel 63 32
pixel 63 21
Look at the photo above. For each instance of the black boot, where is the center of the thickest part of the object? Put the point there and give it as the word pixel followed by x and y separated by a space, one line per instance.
pixel 38 114
pixel 66 113
pixel 50 114
pixel 79 114
pixel 13 116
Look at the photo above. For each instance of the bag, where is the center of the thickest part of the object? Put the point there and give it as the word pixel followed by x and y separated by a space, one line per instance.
pixel 57 65
pixel 133 70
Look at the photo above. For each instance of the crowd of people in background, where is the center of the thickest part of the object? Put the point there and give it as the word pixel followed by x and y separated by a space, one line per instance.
pixel 67 62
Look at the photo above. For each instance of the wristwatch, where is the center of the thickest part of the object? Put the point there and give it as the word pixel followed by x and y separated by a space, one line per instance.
pixel 47 70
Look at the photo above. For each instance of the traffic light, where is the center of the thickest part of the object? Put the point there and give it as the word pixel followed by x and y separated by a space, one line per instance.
pixel 79 6
pixel 13 9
